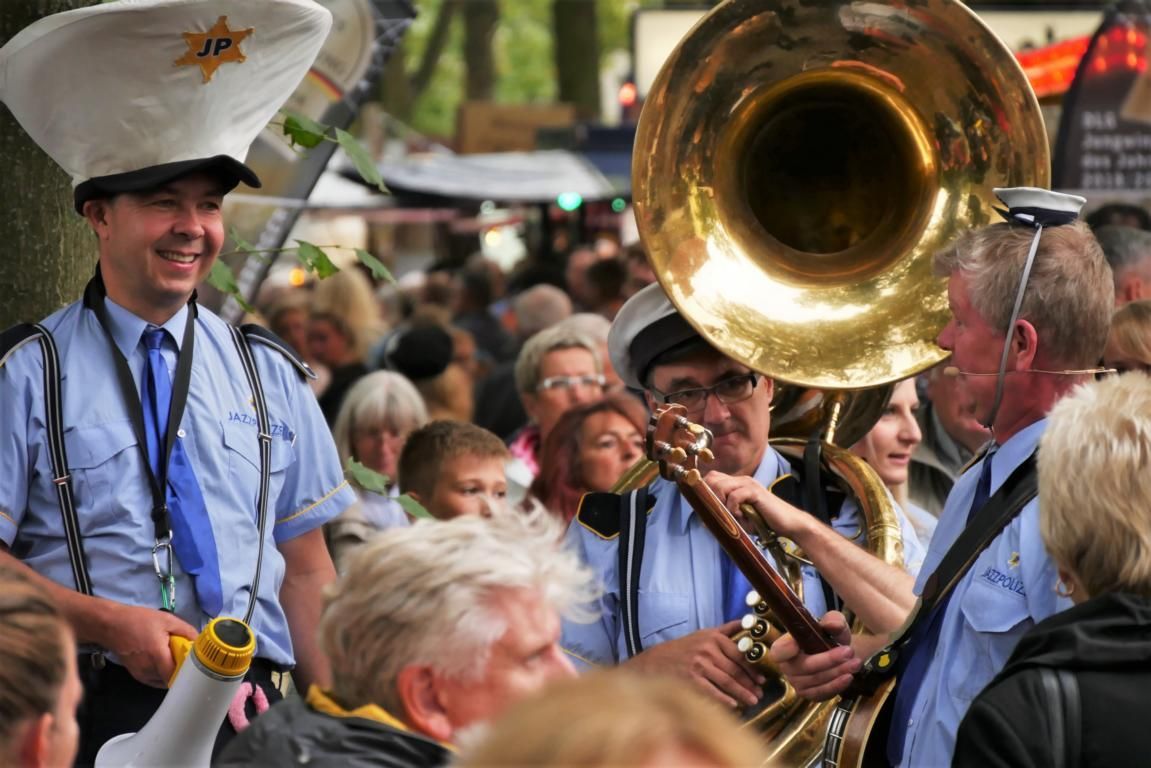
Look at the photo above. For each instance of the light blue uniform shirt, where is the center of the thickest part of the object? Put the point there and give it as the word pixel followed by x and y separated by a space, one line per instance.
pixel 681 579
pixel 1009 589
pixel 113 497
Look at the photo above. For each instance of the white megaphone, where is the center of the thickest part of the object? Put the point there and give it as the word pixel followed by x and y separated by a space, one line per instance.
pixel 183 731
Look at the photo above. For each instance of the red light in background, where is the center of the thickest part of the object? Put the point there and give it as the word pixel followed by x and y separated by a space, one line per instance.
pixel 627 94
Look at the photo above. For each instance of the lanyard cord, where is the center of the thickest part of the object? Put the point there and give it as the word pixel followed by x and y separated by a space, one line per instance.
pixel 94 295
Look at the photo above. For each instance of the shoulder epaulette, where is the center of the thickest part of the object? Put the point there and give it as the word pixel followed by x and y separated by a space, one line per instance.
pixel 15 337
pixel 259 333
pixel 600 512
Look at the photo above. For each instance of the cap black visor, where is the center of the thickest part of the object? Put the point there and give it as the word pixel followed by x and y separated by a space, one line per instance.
pixel 230 172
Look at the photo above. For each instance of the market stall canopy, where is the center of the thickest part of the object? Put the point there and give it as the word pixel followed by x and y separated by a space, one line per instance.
pixel 514 177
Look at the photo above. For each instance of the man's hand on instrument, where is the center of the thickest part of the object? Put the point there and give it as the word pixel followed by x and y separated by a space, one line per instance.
pixel 823 675
pixel 709 659
pixel 735 491
pixel 139 638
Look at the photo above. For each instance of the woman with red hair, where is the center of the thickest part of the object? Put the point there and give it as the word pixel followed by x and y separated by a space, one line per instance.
pixel 588 450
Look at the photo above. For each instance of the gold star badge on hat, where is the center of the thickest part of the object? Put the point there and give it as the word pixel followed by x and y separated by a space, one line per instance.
pixel 219 45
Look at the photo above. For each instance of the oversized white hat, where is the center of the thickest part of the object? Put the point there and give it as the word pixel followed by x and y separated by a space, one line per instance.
pixel 130 94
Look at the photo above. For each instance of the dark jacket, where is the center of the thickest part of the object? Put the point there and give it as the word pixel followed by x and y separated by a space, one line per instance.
pixel 292 733
pixel 1106 642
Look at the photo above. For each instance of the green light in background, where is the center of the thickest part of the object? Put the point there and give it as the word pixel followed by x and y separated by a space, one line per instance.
pixel 618 205
pixel 569 201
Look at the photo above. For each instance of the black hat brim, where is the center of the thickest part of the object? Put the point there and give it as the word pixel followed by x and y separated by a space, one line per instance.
pixel 229 170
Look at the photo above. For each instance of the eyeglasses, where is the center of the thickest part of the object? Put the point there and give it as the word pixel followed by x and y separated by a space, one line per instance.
pixel 728 391
pixel 586 381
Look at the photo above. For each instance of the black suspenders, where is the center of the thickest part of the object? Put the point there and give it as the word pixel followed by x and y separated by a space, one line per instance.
pixel 54 424
pixel 632 531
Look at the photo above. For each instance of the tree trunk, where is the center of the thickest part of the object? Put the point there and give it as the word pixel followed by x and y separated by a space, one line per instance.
pixel 480 19
pixel 49 253
pixel 577 55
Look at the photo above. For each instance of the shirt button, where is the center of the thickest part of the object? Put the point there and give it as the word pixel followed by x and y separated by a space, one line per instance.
pixel 180 433
pixel 910 722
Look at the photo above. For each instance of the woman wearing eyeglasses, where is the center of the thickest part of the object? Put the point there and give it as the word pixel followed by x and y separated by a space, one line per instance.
pixel 588 450
pixel 557 370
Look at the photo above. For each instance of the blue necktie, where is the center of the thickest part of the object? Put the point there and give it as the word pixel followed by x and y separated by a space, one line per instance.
pixel 192 538
pixel 922 645
pixel 735 589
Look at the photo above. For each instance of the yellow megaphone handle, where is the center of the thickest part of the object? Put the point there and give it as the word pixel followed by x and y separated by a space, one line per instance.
pixel 180 646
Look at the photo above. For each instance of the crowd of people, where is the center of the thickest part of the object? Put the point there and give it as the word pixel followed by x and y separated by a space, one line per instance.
pixel 425 501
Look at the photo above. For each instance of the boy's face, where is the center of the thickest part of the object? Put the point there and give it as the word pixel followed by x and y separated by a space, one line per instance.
pixel 467 485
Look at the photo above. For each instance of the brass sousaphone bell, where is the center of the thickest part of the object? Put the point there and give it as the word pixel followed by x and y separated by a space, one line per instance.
pixel 796 166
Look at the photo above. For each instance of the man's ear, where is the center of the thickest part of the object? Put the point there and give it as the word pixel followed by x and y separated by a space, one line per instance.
pixel 652 405
pixel 421 703
pixel 35 740
pixel 96 213
pixel 1024 345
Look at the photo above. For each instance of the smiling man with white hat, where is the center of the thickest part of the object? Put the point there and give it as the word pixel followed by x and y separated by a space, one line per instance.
pixel 171 469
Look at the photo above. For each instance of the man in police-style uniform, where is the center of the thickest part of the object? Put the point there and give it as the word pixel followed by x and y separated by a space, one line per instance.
pixel 151 107
pixel 688 598
pixel 1053 331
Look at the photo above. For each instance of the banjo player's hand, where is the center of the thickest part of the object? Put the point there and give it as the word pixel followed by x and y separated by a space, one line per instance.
pixel 735 491
pixel 709 660
pixel 823 675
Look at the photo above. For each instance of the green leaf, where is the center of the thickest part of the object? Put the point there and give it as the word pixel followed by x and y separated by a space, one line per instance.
pixel 303 131
pixel 366 478
pixel 359 156
pixel 379 271
pixel 241 243
pixel 413 507
pixel 315 260
pixel 224 280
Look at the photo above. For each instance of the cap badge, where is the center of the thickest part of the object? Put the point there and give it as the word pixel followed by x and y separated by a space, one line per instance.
pixel 219 45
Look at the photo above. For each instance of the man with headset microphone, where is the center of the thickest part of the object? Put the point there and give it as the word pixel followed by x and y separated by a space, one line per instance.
pixel 171 469
pixel 1031 301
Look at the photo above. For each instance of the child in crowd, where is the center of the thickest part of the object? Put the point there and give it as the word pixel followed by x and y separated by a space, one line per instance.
pixel 454 468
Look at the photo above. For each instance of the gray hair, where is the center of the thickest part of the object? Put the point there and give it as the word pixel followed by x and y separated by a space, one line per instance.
pixel 532 355
pixel 1070 294
pixel 595 326
pixel 540 307
pixel 1125 247
pixel 424 595
pixel 382 398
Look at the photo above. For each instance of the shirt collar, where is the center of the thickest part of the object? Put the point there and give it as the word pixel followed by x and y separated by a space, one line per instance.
pixel 771 466
pixel 1006 458
pixel 322 702
pixel 127 328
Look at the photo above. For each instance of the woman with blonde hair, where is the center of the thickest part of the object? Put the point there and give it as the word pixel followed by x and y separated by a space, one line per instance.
pixel 1129 340
pixel 39 685
pixel 1077 687
pixel 615 718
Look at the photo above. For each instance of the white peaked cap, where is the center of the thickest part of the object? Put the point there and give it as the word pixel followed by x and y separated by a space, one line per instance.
pixel 131 94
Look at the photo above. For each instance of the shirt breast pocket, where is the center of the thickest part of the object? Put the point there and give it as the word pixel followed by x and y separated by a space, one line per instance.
pixel 662 616
pixel 243 450
pixel 100 457
pixel 994 619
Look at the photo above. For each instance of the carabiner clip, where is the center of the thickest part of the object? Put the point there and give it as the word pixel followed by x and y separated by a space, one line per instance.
pixel 167 580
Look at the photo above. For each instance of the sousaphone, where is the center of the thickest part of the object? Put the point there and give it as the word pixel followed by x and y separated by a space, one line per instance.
pixel 797 163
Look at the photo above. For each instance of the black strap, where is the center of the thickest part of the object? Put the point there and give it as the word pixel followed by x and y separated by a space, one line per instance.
pixel 999 510
pixel 265 438
pixel 1061 687
pixel 817 503
pixel 1004 505
pixel 632 532
pixel 94 295
pixel 11 340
